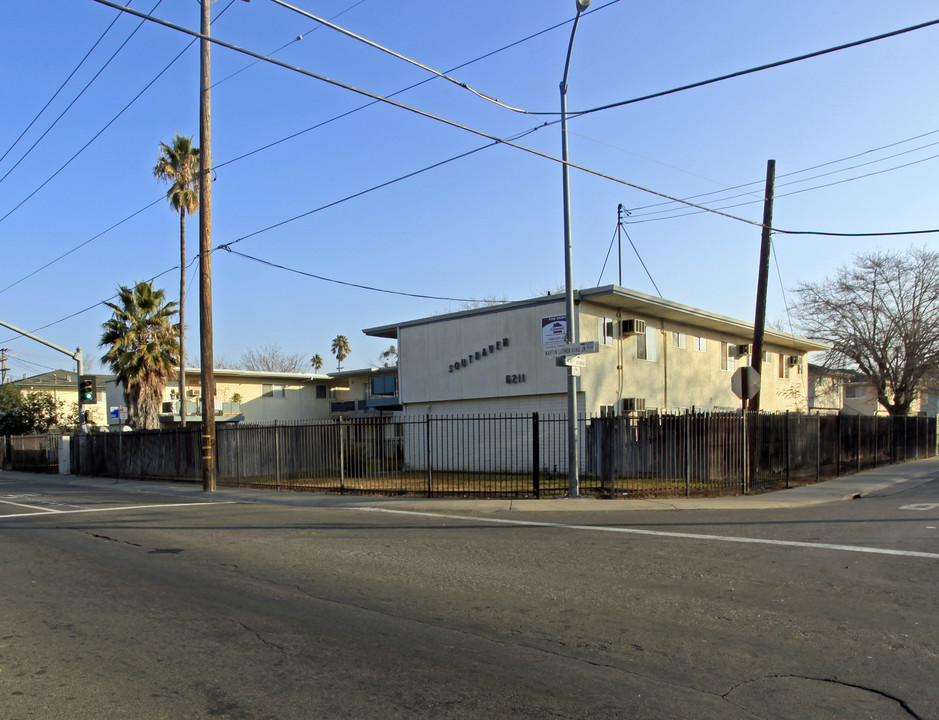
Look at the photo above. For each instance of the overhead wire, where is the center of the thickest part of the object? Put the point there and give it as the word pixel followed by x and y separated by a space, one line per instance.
pixel 814 187
pixel 298 38
pixel 82 92
pixel 289 137
pixel 382 48
pixel 346 283
pixel 484 56
pixel 495 140
pixel 417 111
pixel 64 83
pixel 801 180
pixel 759 68
pixel 113 119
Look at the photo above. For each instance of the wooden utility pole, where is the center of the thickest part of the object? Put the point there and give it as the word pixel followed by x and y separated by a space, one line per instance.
pixel 205 258
pixel 759 322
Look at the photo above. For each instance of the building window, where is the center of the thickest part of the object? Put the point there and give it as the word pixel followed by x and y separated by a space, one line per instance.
pixel 274 390
pixel 851 392
pixel 678 339
pixel 605 330
pixel 728 356
pixel 783 366
pixel 647 346
pixel 320 392
pixel 384 386
pixel 700 344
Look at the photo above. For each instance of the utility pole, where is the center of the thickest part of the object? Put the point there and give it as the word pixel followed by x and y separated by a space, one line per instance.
pixel 3 365
pixel 205 257
pixel 759 322
pixel 619 241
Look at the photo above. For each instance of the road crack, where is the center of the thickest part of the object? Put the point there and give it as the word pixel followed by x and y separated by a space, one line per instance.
pixel 835 681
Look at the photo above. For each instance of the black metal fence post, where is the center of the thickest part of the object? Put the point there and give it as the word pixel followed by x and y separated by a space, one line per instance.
pixel 535 456
pixel 430 471
pixel 342 458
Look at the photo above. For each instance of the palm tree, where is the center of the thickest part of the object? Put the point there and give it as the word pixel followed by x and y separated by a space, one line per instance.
pixel 389 357
pixel 317 362
pixel 142 349
pixel 179 165
pixel 341 349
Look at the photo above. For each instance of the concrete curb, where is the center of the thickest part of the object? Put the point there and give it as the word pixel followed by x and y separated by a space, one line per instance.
pixel 839 489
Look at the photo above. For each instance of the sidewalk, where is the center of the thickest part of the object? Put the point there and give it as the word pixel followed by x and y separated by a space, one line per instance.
pixel 838 489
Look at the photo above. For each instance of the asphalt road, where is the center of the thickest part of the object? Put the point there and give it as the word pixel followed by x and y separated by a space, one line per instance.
pixel 136 600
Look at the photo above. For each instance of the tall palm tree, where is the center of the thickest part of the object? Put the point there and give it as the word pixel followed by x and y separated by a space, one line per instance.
pixel 317 362
pixel 142 349
pixel 178 165
pixel 341 349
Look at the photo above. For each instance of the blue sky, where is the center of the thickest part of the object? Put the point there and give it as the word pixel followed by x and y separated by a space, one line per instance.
pixel 486 225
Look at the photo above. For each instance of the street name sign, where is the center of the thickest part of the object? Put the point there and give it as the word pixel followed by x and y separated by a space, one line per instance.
pixel 581 348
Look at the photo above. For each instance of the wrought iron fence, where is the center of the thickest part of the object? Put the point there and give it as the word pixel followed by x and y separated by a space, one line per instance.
pixel 520 455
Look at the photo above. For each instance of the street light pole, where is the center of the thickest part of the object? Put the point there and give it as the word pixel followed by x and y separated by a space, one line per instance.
pixel 573 475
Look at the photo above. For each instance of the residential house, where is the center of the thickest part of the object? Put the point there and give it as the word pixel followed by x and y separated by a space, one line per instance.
pixel 240 396
pixel 62 385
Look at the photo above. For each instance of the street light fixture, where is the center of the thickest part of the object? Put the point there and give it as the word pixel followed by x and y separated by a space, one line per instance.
pixel 573 475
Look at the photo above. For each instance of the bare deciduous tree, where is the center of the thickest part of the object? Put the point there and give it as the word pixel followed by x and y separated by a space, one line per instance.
pixel 270 358
pixel 881 317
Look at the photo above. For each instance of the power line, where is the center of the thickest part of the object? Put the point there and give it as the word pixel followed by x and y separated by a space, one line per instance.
pixel 298 38
pixel 382 48
pixel 760 68
pixel 416 111
pixel 64 83
pixel 343 282
pixel 81 245
pixel 82 92
pixel 403 90
pixel 289 137
pixel 387 183
pixel 115 118
pixel 808 179
pixel 795 172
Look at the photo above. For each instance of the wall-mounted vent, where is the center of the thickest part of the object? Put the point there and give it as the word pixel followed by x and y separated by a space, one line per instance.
pixel 634 327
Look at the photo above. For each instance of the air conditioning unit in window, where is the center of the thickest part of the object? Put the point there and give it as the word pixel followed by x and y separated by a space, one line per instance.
pixel 743 350
pixel 634 327
pixel 794 360
pixel 634 405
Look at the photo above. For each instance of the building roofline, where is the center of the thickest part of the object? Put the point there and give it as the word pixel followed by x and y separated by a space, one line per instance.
pixel 363 371
pixel 391 331
pixel 231 372
pixel 625 299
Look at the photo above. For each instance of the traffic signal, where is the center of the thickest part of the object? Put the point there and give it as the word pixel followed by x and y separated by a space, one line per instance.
pixel 87 390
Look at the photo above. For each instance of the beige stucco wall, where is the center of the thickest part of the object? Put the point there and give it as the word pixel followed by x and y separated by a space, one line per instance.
pixel 467 358
pixel 681 377
pixel 440 370
pixel 69 395
pixel 298 403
